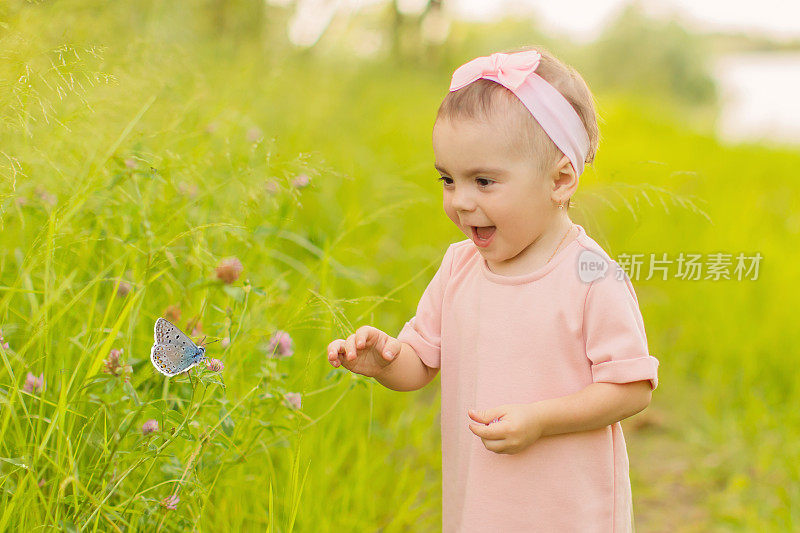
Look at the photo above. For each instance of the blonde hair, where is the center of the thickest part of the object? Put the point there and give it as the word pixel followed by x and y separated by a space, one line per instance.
pixel 481 98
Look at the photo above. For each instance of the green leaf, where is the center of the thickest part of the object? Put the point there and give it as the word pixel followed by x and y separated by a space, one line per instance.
pixel 227 423
pixel 234 292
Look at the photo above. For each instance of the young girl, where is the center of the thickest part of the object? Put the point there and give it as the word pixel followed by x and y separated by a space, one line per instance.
pixel 536 329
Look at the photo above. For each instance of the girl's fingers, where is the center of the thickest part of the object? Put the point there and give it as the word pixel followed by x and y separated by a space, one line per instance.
pixel 391 349
pixel 350 347
pixel 334 348
pixel 365 336
pixel 359 338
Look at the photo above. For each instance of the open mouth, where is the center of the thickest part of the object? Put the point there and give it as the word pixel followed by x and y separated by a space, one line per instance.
pixel 482 235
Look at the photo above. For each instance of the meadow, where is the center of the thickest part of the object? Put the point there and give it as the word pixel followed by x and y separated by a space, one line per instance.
pixel 138 160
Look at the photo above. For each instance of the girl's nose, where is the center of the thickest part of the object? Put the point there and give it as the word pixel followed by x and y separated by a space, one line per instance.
pixel 461 200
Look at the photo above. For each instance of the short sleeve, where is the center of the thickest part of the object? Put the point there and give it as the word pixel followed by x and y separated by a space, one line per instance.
pixel 613 330
pixel 424 330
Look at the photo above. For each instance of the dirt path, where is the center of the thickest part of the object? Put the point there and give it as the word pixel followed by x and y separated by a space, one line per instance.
pixel 664 497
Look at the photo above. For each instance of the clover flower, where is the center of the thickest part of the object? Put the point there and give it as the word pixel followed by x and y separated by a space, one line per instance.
pixel 3 342
pixel 283 341
pixel 113 365
pixel 171 502
pixel 123 289
pixel 294 399
pixel 46 196
pixel 33 383
pixel 301 181
pixel 188 188
pixel 215 365
pixel 254 134
pixel 173 313
pixel 229 269
pixel 150 426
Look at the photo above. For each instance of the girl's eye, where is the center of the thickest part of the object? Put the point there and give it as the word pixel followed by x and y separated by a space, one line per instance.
pixel 488 181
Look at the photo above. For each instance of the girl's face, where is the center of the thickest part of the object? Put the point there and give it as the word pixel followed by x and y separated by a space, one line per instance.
pixel 487 182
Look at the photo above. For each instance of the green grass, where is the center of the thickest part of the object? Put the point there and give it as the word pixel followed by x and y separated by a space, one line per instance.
pixel 319 261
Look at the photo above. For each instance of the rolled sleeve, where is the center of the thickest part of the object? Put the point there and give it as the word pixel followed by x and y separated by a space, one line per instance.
pixel 613 329
pixel 428 351
pixel 424 330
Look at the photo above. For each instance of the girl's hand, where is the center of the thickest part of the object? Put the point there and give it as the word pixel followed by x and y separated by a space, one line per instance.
pixel 508 428
pixel 368 351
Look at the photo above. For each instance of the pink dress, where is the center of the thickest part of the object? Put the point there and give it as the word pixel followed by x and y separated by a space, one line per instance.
pixel 520 339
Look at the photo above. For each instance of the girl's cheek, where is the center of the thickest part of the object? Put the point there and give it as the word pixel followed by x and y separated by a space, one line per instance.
pixel 451 214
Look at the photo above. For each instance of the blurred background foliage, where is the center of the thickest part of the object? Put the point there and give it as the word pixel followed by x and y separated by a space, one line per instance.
pixel 142 143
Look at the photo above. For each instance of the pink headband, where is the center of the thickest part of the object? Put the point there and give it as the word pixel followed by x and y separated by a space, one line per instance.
pixel 548 106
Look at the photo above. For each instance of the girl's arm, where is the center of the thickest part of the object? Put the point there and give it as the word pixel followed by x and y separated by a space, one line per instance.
pixel 407 372
pixel 599 404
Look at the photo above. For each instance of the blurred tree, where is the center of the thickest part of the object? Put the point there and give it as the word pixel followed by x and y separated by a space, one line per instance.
pixel 417 35
pixel 644 55
pixel 239 19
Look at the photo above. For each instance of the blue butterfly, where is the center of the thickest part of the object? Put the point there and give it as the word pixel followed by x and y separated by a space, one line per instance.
pixel 173 352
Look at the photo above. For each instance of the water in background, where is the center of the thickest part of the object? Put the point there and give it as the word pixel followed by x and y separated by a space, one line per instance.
pixel 760 97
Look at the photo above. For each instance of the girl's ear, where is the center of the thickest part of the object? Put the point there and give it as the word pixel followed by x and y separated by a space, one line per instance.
pixel 565 181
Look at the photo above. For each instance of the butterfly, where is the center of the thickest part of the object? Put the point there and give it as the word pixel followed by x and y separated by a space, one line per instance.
pixel 173 351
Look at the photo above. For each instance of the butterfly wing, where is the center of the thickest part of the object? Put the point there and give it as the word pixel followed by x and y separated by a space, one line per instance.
pixel 164 332
pixel 171 360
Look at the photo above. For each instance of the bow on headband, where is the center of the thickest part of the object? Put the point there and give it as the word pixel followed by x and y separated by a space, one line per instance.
pixel 510 69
